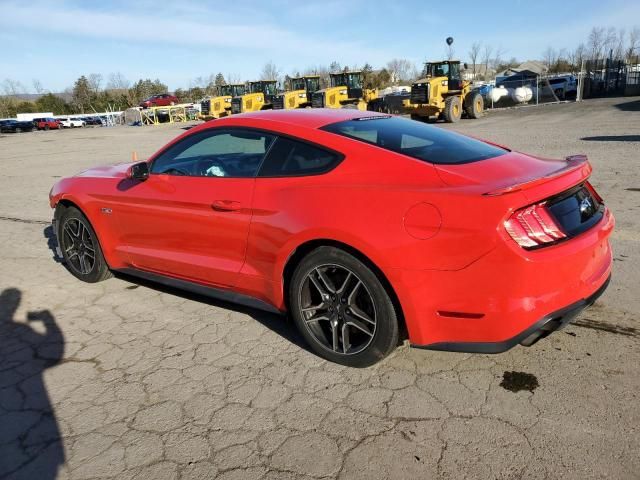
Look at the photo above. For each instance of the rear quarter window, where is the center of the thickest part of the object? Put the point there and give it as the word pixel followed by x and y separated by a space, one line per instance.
pixel 290 157
pixel 416 139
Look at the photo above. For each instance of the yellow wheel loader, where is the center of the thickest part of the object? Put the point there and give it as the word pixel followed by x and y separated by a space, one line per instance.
pixel 301 89
pixel 259 97
pixel 443 94
pixel 219 104
pixel 346 91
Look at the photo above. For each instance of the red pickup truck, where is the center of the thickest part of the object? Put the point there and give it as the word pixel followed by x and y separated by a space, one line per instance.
pixel 46 123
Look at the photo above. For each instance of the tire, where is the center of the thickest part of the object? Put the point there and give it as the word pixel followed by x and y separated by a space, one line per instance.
pixel 77 240
pixel 474 105
pixel 359 306
pixel 46 127
pixel 18 130
pixel 416 117
pixel 452 109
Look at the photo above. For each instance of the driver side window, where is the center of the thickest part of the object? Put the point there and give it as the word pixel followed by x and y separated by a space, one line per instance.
pixel 215 153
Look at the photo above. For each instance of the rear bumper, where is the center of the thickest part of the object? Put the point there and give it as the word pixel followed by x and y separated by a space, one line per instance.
pixel 506 295
pixel 542 328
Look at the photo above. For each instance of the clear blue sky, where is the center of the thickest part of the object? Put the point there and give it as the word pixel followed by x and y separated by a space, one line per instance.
pixel 56 41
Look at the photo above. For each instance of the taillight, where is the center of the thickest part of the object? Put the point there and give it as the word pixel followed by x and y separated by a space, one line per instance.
pixel 533 227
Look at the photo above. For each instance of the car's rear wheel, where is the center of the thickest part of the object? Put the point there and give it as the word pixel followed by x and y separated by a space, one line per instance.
pixel 80 247
pixel 342 309
pixel 46 127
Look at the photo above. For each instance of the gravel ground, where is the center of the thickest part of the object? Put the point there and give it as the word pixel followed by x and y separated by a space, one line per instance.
pixel 129 380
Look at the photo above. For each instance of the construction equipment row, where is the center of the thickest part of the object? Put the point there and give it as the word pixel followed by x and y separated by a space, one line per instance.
pixel 441 94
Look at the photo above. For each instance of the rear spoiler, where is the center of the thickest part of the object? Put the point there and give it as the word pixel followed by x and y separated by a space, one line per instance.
pixel 574 163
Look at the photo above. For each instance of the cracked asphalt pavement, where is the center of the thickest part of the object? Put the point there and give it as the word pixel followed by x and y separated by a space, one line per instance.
pixel 126 379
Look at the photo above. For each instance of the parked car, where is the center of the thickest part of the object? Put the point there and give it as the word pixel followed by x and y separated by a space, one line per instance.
pixel 46 123
pixel 94 121
pixel 161 100
pixel 357 223
pixel 564 87
pixel 72 122
pixel 15 126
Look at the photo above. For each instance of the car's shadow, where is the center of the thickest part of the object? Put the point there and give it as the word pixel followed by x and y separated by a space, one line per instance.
pixel 280 324
pixel 612 138
pixel 52 243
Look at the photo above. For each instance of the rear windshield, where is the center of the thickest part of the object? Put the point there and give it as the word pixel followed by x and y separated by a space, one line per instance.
pixel 416 139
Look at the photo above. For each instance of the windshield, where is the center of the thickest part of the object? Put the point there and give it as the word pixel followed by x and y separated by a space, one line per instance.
pixel 270 88
pixel 297 84
pixel 237 90
pixel 313 84
pixel 350 80
pixel 438 69
pixel 354 80
pixel 416 139
pixel 224 90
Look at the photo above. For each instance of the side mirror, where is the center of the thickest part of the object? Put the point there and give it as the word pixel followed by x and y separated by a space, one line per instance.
pixel 139 171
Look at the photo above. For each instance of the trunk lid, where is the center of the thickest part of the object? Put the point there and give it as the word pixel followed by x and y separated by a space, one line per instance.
pixel 517 172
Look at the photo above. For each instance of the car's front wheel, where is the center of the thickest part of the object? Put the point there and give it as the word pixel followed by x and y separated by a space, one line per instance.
pixel 342 309
pixel 80 247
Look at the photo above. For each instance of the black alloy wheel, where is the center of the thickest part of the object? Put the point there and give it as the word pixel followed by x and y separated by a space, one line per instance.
pixel 342 309
pixel 80 247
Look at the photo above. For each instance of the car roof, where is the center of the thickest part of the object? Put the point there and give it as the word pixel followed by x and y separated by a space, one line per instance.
pixel 307 117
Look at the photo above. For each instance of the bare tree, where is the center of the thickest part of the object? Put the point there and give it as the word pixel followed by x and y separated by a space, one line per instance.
pixel 8 101
pixel 550 57
pixel 233 78
pixel 37 86
pixel 399 69
pixel 632 45
pixel 610 41
pixel 595 42
pixel 270 71
pixel 413 73
pixel 95 81
pixel 619 48
pixel 474 52
pixel 575 57
pixel 12 87
pixel 486 58
pixel 497 56
pixel 117 81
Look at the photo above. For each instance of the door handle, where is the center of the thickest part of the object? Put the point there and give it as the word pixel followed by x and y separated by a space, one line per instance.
pixel 226 205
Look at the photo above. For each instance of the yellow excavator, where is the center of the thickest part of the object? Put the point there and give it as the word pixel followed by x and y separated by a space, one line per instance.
pixel 219 104
pixel 346 91
pixel 299 95
pixel 443 94
pixel 259 97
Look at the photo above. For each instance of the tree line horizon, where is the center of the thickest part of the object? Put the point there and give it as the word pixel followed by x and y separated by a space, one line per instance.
pixel 91 94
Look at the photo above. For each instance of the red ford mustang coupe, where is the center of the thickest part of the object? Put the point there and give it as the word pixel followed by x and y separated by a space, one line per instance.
pixel 364 227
